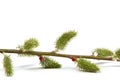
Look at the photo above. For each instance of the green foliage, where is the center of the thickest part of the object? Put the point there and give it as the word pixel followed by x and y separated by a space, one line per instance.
pixel 7 64
pixel 87 66
pixel 102 52
pixel 50 63
pixel 29 44
pixel 117 52
pixel 64 39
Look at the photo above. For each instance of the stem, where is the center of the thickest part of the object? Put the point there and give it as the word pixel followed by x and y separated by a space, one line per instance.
pixel 38 53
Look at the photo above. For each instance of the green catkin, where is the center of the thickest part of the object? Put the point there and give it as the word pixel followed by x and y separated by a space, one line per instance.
pixel 63 40
pixel 7 64
pixel 102 52
pixel 117 53
pixel 50 63
pixel 87 66
pixel 29 44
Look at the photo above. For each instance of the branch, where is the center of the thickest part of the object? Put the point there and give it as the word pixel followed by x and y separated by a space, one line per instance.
pixel 39 53
pixel 84 65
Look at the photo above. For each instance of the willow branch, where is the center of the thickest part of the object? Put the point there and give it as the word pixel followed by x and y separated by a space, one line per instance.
pixel 39 53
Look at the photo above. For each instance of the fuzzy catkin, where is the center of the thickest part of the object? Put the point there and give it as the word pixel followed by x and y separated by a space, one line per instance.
pixel 50 63
pixel 87 66
pixel 63 40
pixel 30 44
pixel 103 52
pixel 7 64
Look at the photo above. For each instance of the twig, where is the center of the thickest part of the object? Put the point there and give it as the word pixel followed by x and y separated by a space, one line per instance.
pixel 39 53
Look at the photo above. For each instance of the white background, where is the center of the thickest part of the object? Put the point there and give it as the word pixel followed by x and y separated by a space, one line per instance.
pixel 96 21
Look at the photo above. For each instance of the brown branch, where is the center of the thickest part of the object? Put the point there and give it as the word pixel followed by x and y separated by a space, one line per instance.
pixel 38 53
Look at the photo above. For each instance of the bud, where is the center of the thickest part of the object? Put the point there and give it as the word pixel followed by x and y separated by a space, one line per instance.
pixel 41 58
pixel 73 58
